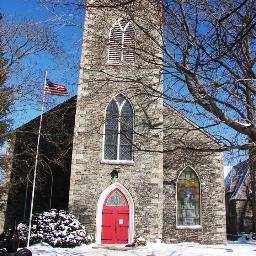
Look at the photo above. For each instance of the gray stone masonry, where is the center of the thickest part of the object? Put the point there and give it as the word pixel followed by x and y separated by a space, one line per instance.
pixel 99 83
pixel 209 167
pixel 155 203
pixel 162 137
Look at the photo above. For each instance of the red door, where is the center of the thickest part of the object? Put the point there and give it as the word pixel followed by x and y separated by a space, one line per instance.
pixel 115 219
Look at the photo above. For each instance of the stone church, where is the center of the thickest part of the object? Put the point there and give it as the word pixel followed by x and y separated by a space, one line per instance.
pixel 131 171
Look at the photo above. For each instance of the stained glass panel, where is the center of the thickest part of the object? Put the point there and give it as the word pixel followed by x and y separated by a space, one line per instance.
pixel 110 152
pixel 188 198
pixel 118 130
pixel 125 152
pixel 111 132
pixel 126 132
pixel 110 137
pixel 116 200
pixel 111 123
pixel 120 98
pixel 112 108
pixel 125 138
pixel 127 109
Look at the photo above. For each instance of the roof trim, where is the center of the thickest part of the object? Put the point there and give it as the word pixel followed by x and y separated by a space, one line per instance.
pixel 240 182
pixel 193 124
pixel 47 112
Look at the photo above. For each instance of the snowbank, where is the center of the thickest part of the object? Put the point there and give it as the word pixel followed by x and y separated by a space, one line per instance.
pixel 152 249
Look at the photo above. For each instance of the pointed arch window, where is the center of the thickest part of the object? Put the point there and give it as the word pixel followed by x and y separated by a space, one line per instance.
pixel 116 199
pixel 188 198
pixel 122 43
pixel 118 129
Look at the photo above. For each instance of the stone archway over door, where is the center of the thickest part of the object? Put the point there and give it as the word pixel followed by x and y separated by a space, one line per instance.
pixel 115 216
pixel 115 219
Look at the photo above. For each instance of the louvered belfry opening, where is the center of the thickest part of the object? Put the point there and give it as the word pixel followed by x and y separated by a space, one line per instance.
pixel 122 43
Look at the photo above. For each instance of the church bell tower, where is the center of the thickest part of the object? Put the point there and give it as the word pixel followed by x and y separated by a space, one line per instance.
pixel 116 186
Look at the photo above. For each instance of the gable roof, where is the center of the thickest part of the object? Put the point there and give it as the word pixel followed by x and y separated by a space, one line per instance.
pixel 58 107
pixel 237 179
pixel 192 123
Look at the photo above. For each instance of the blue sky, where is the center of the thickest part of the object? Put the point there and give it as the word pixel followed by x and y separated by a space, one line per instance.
pixel 62 71
pixel 69 37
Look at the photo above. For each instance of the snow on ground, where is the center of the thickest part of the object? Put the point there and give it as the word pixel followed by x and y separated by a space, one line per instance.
pixel 152 249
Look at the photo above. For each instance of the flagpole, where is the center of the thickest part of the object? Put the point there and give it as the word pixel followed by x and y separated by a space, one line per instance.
pixel 36 162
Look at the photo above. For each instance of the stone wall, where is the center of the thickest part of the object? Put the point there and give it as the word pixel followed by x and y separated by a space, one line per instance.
pixel 152 188
pixel 53 170
pixel 244 216
pixel 179 133
pixel 99 83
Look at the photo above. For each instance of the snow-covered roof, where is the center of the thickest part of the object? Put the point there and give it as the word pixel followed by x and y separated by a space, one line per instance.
pixel 227 169
pixel 236 178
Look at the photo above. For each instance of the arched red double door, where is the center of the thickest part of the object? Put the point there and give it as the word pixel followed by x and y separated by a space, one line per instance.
pixel 115 219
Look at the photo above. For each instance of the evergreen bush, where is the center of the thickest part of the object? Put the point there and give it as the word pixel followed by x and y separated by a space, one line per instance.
pixel 57 228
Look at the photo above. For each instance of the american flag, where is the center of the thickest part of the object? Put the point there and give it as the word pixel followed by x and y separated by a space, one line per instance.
pixel 55 89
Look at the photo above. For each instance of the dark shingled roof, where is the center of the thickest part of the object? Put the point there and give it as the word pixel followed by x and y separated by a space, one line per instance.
pixel 235 178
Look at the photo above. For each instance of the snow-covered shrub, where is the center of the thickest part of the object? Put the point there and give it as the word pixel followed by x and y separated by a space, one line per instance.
pixel 249 238
pixel 57 228
pixel 140 241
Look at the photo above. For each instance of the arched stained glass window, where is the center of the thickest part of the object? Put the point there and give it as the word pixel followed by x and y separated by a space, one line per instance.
pixel 121 42
pixel 126 131
pixel 116 199
pixel 111 130
pixel 118 129
pixel 188 198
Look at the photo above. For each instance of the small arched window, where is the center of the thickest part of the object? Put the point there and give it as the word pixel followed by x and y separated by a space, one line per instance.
pixel 118 129
pixel 188 198
pixel 121 43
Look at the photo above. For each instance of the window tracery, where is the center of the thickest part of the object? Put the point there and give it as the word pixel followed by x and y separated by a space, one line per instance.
pixel 116 199
pixel 118 129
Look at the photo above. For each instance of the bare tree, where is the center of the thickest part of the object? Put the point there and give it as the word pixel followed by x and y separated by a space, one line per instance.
pixel 21 87
pixel 20 42
pixel 6 98
pixel 208 64
pixel 209 56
